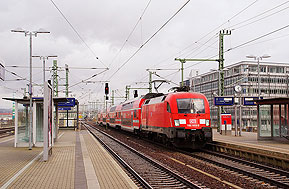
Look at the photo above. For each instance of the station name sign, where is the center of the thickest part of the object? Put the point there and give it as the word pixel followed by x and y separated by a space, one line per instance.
pixel 229 101
pixel 224 101
pixel 69 103
pixel 250 101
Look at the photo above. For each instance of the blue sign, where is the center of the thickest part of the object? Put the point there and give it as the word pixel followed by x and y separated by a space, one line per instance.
pixel 250 101
pixel 224 101
pixel 64 108
pixel 70 102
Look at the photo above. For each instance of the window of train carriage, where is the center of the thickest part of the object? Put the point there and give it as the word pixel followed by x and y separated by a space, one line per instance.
pixel 191 105
pixel 168 108
pixel 134 114
pixel 147 101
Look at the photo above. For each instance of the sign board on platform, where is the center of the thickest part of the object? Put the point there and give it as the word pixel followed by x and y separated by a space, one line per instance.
pixel 224 101
pixel 64 108
pixel 69 103
pixel 250 101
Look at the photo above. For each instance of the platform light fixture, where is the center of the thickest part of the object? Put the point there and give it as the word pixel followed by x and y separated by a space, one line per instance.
pixel 258 58
pixel 30 34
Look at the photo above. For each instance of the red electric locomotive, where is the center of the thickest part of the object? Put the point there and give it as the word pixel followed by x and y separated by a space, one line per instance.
pixel 180 118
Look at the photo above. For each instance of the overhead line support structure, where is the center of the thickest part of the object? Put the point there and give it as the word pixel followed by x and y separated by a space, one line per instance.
pixel 222 33
pixel 66 79
pixel 114 97
pixel 150 76
pixel 55 78
pixel 127 88
pixel 150 80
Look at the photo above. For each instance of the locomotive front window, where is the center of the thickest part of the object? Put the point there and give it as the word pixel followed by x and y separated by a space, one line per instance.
pixel 191 105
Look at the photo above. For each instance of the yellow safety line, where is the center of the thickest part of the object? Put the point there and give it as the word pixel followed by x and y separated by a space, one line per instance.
pixel 212 176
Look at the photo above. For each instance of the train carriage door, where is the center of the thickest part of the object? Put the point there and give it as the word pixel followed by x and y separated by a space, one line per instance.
pixel 131 118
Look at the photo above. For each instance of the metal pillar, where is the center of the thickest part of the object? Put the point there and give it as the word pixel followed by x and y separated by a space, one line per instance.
pixel 127 92
pixel 236 127
pixel 55 78
pixel 150 81
pixel 182 70
pixel 66 83
pixel 112 97
pixel 221 57
pixel 240 115
pixel 30 95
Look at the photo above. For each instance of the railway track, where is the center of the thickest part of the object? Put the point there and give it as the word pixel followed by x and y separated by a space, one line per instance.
pixel 147 172
pixel 263 174
pixel 6 131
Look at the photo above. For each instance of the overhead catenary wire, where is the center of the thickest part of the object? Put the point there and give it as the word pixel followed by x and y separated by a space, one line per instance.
pixel 88 78
pixel 255 39
pixel 127 39
pixel 206 47
pixel 15 74
pixel 258 15
pixel 211 31
pixel 267 40
pixel 150 38
pixel 77 33
pixel 15 90
pixel 243 44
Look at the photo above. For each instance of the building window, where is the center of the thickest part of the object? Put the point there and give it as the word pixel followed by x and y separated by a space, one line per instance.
pixel 280 70
pixel 272 69
pixel 263 69
pixel 252 68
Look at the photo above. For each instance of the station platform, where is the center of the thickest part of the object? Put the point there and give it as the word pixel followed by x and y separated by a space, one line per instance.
pixel 249 140
pixel 77 161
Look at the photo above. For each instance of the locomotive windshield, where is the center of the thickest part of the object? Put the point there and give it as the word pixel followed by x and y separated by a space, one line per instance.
pixel 191 105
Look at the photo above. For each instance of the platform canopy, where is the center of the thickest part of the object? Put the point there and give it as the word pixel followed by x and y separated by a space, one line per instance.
pixel 56 100
pixel 273 101
pixel 272 118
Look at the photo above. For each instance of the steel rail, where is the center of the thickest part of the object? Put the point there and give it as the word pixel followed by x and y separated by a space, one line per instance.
pixel 156 164
pixel 239 170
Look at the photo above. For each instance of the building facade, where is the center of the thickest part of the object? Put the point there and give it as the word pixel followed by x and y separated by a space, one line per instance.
pixel 273 83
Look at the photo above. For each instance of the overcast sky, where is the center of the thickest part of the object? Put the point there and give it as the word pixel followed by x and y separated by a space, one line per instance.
pixel 106 25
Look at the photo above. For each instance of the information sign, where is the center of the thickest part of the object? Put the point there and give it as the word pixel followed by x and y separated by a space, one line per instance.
pixel 250 101
pixel 69 103
pixel 224 101
pixel 64 108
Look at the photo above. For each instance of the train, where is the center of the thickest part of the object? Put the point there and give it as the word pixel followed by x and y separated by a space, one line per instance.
pixel 179 118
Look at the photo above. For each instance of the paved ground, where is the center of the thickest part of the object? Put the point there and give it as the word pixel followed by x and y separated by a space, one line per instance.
pixel 250 139
pixel 77 161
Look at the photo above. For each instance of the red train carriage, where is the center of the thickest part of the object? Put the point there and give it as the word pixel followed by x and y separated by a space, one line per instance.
pixel 102 118
pixel 182 118
pixel 127 115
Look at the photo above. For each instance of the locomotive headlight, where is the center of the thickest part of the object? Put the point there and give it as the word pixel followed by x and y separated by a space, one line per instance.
pixel 207 122
pixel 177 122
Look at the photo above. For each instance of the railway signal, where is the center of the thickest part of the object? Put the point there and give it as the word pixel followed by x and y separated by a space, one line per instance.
pixel 106 89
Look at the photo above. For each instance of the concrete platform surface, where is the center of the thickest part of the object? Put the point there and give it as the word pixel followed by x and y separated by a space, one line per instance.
pixel 77 161
pixel 249 139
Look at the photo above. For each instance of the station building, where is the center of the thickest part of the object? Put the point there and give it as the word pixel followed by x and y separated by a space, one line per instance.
pixel 273 84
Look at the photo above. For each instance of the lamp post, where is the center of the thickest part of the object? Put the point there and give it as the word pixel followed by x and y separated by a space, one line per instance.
pixel 44 58
pixel 30 34
pixel 258 58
